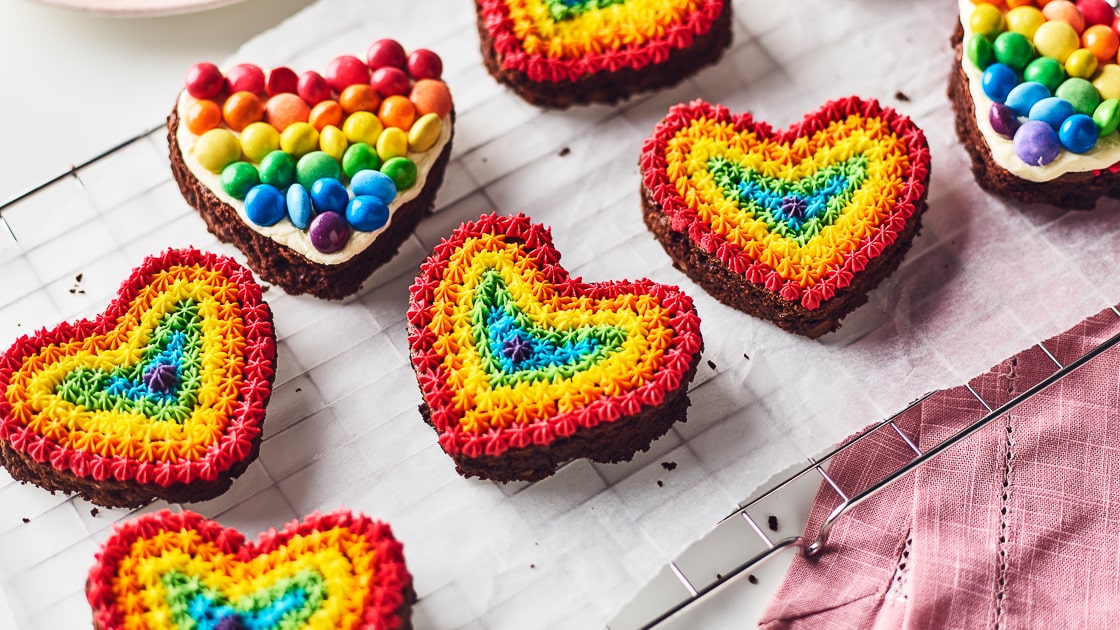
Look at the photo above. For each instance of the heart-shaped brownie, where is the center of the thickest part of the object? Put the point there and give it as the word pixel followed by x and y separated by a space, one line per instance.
pixel 1037 99
pixel 317 178
pixel 161 396
pixel 557 53
pixel 182 571
pixel 522 367
pixel 793 226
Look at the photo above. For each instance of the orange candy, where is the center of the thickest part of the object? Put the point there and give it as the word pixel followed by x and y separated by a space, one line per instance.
pixel 431 96
pixel 284 109
pixel 397 111
pixel 359 98
pixel 202 116
pixel 1011 4
pixel 325 114
pixel 241 109
pixel 1102 41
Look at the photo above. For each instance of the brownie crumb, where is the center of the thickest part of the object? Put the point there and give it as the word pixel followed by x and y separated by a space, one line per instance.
pixel 745 356
pixel 752 579
pixel 78 278
pixel 73 290
pixel 719 576
pixel 94 512
pixel 660 484
pixel 711 364
pixel 900 95
pixel 532 566
pixel 565 151
pixel 265 288
pixel 669 465
pixel 299 389
pixel 26 520
pixel 772 523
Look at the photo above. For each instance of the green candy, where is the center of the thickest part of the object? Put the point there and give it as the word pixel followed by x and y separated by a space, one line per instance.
pixel 1081 94
pixel 1107 116
pixel 278 169
pixel 979 51
pixel 1047 71
pixel 401 170
pixel 238 178
pixel 359 157
pixel 1013 49
pixel 315 166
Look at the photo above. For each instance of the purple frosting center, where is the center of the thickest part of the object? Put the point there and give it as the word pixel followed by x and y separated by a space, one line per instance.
pixel 161 377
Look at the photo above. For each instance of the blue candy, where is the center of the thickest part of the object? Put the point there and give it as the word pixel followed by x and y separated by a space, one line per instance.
pixel 265 205
pixel 374 184
pixel 299 206
pixel 1023 96
pixel 1052 111
pixel 998 80
pixel 329 195
pixel 1078 133
pixel 366 213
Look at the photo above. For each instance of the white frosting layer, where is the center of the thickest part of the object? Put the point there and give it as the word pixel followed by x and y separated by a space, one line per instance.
pixel 1100 157
pixel 284 232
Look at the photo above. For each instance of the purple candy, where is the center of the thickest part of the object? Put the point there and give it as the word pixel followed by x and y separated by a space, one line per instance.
pixel 232 622
pixel 1036 143
pixel 1004 121
pixel 329 232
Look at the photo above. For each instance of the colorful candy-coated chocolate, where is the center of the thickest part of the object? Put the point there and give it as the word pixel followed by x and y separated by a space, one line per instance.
pixel 1081 63
pixel 346 70
pixel 401 170
pixel 385 52
pixel 315 166
pixel 997 81
pixel 241 109
pixel 425 131
pixel 1064 11
pixel 204 80
pixel 202 116
pixel 329 232
pixel 1108 81
pixel 371 183
pixel 389 81
pixel 333 142
pixel 359 156
pixel 431 97
pixel 217 149
pixel 281 80
pixel 1003 120
pixel 312 87
pixel 393 142
pixel 299 139
pixel 1078 133
pixel 299 206
pixel 1013 49
pixel 1056 39
pixel 1102 41
pixel 265 205
pixel 258 140
pixel 979 51
pixel 1107 116
pixel 367 214
pixel 362 127
pixel 285 109
pixel 359 98
pixel 278 169
pixel 1096 12
pixel 1080 93
pixel 1047 71
pixel 986 20
pixel 245 77
pixel 1052 111
pixel 329 195
pixel 1024 20
pixel 238 178
pixel 325 113
pixel 424 64
pixel 1023 96
pixel 397 111
pixel 1036 143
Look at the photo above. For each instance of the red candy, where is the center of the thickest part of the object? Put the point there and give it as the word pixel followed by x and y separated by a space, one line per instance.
pixel 204 80
pixel 389 81
pixel 282 80
pixel 385 52
pixel 1096 12
pixel 313 88
pixel 345 71
pixel 424 64
pixel 245 77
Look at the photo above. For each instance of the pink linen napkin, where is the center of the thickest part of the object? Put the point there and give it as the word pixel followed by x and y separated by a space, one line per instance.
pixel 1018 526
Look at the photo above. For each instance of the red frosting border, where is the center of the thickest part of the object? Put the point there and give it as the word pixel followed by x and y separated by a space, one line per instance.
pixel 686 344
pixel 494 15
pixel 244 427
pixel 685 220
pixel 386 596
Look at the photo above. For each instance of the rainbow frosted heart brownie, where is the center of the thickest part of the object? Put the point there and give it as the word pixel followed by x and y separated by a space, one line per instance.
pixel 165 571
pixel 557 53
pixel 1037 98
pixel 793 226
pixel 160 396
pixel 522 367
pixel 317 178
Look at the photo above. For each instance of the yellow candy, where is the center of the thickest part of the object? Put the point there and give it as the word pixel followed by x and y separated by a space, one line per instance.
pixel 1108 81
pixel 362 127
pixel 424 133
pixel 333 142
pixel 258 140
pixel 393 142
pixel 300 138
pixel 1056 39
pixel 1025 20
pixel 986 20
pixel 1081 63
pixel 217 149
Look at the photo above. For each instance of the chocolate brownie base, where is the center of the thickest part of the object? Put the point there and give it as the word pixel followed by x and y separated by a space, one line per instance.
pixel 285 267
pixel 737 292
pixel 607 443
pixel 611 87
pixel 1075 191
